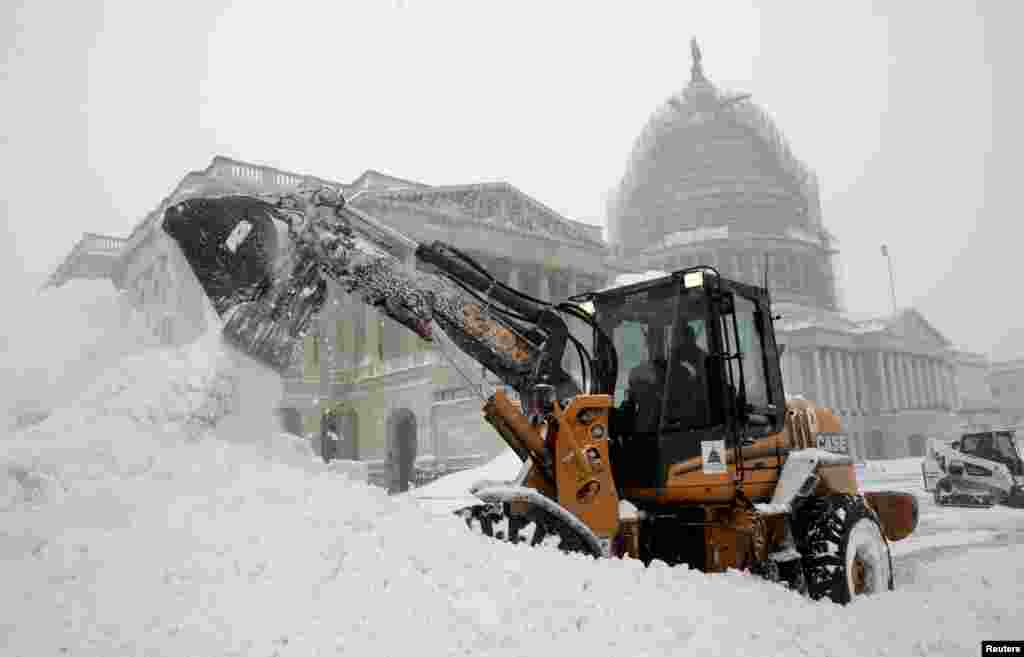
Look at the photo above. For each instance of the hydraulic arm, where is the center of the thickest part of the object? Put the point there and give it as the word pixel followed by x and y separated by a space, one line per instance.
pixel 268 289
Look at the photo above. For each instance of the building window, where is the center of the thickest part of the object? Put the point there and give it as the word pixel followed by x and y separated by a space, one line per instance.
pixel 359 325
pixel 311 356
pixel 339 341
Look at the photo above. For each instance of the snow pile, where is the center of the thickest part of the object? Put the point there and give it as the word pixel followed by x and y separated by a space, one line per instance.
pixel 162 513
pixel 451 492
pixel 58 341
pixel 894 468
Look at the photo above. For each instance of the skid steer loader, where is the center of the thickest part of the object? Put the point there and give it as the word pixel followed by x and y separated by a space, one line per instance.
pixel 980 469
pixel 675 442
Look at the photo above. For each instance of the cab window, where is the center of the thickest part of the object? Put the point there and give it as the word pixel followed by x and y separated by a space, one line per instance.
pixel 745 338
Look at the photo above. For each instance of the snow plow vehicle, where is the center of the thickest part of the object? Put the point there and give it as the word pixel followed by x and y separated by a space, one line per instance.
pixel 678 445
pixel 979 469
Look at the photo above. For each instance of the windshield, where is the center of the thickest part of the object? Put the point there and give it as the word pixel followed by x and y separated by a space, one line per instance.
pixel 1004 444
pixel 994 446
pixel 661 340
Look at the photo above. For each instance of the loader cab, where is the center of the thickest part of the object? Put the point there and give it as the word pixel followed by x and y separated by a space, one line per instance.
pixel 697 360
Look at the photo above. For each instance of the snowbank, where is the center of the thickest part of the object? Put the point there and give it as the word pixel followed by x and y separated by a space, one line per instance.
pixel 451 492
pixel 163 513
pixel 58 341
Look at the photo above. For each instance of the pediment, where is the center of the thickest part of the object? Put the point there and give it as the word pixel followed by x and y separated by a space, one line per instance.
pixel 913 327
pixel 497 204
pixel 372 180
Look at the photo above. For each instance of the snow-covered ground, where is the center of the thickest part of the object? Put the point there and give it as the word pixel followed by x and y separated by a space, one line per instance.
pixel 152 514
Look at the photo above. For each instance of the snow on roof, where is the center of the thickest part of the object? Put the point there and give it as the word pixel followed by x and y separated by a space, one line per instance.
pixel 623 280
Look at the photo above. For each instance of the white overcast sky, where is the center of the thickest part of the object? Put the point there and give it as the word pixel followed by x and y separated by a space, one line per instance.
pixel 910 111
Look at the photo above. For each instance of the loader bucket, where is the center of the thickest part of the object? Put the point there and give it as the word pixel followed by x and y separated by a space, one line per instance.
pixel 238 249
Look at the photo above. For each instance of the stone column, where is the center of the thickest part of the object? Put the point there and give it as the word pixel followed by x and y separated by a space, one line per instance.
pixel 911 365
pixel 885 401
pixel 922 390
pixel 901 368
pixel 828 371
pixel 904 380
pixel 830 376
pixel 424 431
pixel 857 396
pixel 799 386
pixel 819 382
pixel 929 380
pixel 544 284
pixel 908 374
pixel 925 384
pixel 572 282
pixel 926 395
pixel 840 378
pixel 842 382
pixel 843 374
pixel 859 382
pixel 513 277
pixel 926 387
pixel 954 397
pixel 915 393
pixel 940 388
pixel 895 380
pixel 915 385
pixel 889 389
pixel 792 372
pixel 947 388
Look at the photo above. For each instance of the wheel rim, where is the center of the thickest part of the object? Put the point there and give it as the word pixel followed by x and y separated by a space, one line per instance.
pixel 867 560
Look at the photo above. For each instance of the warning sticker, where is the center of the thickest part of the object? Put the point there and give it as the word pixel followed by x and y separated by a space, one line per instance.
pixel 238 235
pixel 713 452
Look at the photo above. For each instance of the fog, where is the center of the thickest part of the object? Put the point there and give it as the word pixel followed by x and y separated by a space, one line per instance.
pixel 908 113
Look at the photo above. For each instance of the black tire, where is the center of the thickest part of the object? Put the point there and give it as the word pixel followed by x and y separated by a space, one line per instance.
pixel 845 553
pixel 490 520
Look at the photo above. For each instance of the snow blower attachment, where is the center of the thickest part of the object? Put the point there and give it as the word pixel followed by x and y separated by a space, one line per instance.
pixel 693 456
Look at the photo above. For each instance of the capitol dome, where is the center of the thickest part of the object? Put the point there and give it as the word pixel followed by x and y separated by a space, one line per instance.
pixel 711 158
pixel 712 163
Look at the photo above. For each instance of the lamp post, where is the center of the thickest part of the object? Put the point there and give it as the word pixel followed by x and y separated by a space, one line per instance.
pixel 892 280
